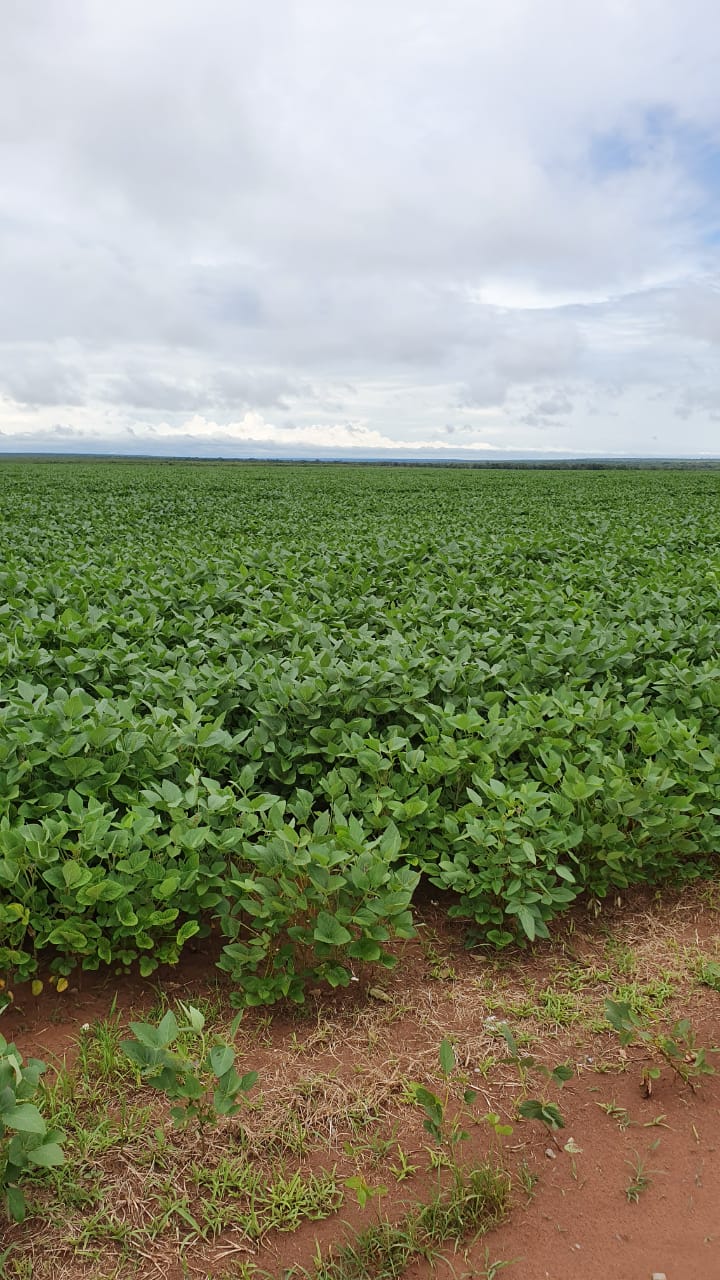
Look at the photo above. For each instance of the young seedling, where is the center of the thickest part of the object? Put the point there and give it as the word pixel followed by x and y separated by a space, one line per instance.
pixel 364 1191
pixel 709 974
pixel 523 1061
pixel 435 1108
pixel 534 1108
pixel 448 1136
pixel 641 1179
pixel 679 1049
pixel 546 1112
pixel 404 1168
pixel 527 1178
pixel 618 1113
pixel 25 1140
pixel 572 1149
pixel 203 1082
pixel 526 1062
pixel 492 1269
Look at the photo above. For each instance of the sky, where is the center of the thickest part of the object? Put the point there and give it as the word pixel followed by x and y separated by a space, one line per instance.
pixel 324 228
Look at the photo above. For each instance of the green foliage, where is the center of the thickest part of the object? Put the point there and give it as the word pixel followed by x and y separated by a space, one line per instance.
pixel 627 1024
pixel 548 1113
pixel 449 1131
pixel 26 1143
pixel 363 1190
pixel 321 900
pixel 709 974
pixel 678 1048
pixel 215 676
pixel 180 1062
pixel 476 1200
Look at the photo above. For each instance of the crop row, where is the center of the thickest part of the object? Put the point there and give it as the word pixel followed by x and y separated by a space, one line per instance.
pixel 267 701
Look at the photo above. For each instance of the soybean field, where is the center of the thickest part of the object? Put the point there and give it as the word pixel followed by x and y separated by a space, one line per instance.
pixel 266 703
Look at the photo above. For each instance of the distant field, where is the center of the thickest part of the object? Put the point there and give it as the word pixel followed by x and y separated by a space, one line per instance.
pixel 266 700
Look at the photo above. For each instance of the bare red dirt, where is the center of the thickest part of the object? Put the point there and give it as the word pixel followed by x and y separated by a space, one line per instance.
pixel 640 1195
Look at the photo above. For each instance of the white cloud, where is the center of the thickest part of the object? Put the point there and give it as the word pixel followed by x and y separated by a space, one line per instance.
pixel 280 217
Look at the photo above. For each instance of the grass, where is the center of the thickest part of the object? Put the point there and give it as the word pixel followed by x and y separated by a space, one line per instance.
pixel 641 1178
pixel 708 973
pixel 620 1114
pixel 475 1201
pixel 332 1102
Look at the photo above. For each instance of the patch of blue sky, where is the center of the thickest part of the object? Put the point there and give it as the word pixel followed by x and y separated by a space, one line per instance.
pixel 613 152
pixel 654 129
pixel 657 134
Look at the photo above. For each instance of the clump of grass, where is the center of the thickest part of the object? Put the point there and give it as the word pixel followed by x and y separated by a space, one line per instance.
pixel 640 1181
pixel 475 1200
pixel 708 974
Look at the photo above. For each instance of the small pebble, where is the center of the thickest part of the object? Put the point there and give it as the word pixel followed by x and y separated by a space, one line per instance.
pixel 551 1155
pixel 659 1275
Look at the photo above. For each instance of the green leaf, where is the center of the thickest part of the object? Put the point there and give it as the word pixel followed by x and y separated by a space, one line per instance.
pixel 140 1054
pixel 187 930
pixel 560 1074
pixel 15 1204
pixel 196 1020
pixel 527 920
pixel 365 949
pixel 547 1112
pixel 329 930
pixel 391 842
pixel 221 1059
pixel 171 793
pixel 430 1103
pixel 624 1021
pixel 47 1156
pixel 447 1058
pixel 145 1033
pixel 167 1029
pixel 24 1118
pixel 125 913
pixel 509 1039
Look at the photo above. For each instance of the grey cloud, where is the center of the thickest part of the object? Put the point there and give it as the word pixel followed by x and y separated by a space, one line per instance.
pixel 227 206
pixel 233 390
pixel 554 406
pixel 693 310
pixel 520 350
pixel 40 380
pixel 268 390
pixel 702 399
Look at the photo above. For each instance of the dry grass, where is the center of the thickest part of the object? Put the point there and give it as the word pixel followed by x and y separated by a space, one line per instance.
pixel 333 1091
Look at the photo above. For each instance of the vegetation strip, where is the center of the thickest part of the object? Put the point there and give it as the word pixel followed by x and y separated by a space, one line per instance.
pixel 267 701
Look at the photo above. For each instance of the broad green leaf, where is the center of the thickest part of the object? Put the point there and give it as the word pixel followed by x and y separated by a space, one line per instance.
pixel 46 1156
pixel 221 1059
pixel 329 930
pixel 23 1118
pixel 15 1204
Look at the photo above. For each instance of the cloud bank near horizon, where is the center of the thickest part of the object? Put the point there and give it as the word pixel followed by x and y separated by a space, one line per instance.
pixel 317 228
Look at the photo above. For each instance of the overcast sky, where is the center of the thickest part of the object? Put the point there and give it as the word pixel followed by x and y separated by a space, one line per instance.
pixel 313 227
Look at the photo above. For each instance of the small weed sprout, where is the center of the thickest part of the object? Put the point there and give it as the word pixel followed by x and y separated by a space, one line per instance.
pixel 679 1049
pixel 448 1135
pixel 641 1176
pixel 25 1141
pixel 548 1113
pixel 197 1075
